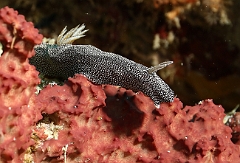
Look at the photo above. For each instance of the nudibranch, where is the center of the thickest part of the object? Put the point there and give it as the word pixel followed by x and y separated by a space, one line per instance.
pixel 63 60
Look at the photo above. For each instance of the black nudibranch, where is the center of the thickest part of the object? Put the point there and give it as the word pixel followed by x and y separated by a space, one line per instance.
pixel 64 60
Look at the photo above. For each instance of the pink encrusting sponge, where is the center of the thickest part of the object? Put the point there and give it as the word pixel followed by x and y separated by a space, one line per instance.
pixel 18 80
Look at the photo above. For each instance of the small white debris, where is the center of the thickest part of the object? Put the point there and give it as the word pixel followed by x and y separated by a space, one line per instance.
pixel 50 130
pixel 52 83
pixel 1 49
pixel 38 89
pixel 64 149
pixel 156 42
pixel 230 114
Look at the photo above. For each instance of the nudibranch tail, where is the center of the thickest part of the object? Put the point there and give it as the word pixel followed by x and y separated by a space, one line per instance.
pixel 159 66
pixel 72 35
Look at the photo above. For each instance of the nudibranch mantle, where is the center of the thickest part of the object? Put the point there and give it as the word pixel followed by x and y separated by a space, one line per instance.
pixel 64 60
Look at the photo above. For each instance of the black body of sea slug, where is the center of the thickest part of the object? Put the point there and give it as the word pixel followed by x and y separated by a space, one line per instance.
pixel 66 60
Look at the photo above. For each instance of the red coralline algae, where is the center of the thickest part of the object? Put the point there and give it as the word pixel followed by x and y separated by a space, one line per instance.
pixel 17 77
pixel 84 122
pixel 95 123
pixel 18 80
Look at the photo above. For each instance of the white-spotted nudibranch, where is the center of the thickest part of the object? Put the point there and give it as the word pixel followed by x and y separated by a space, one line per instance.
pixel 64 60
